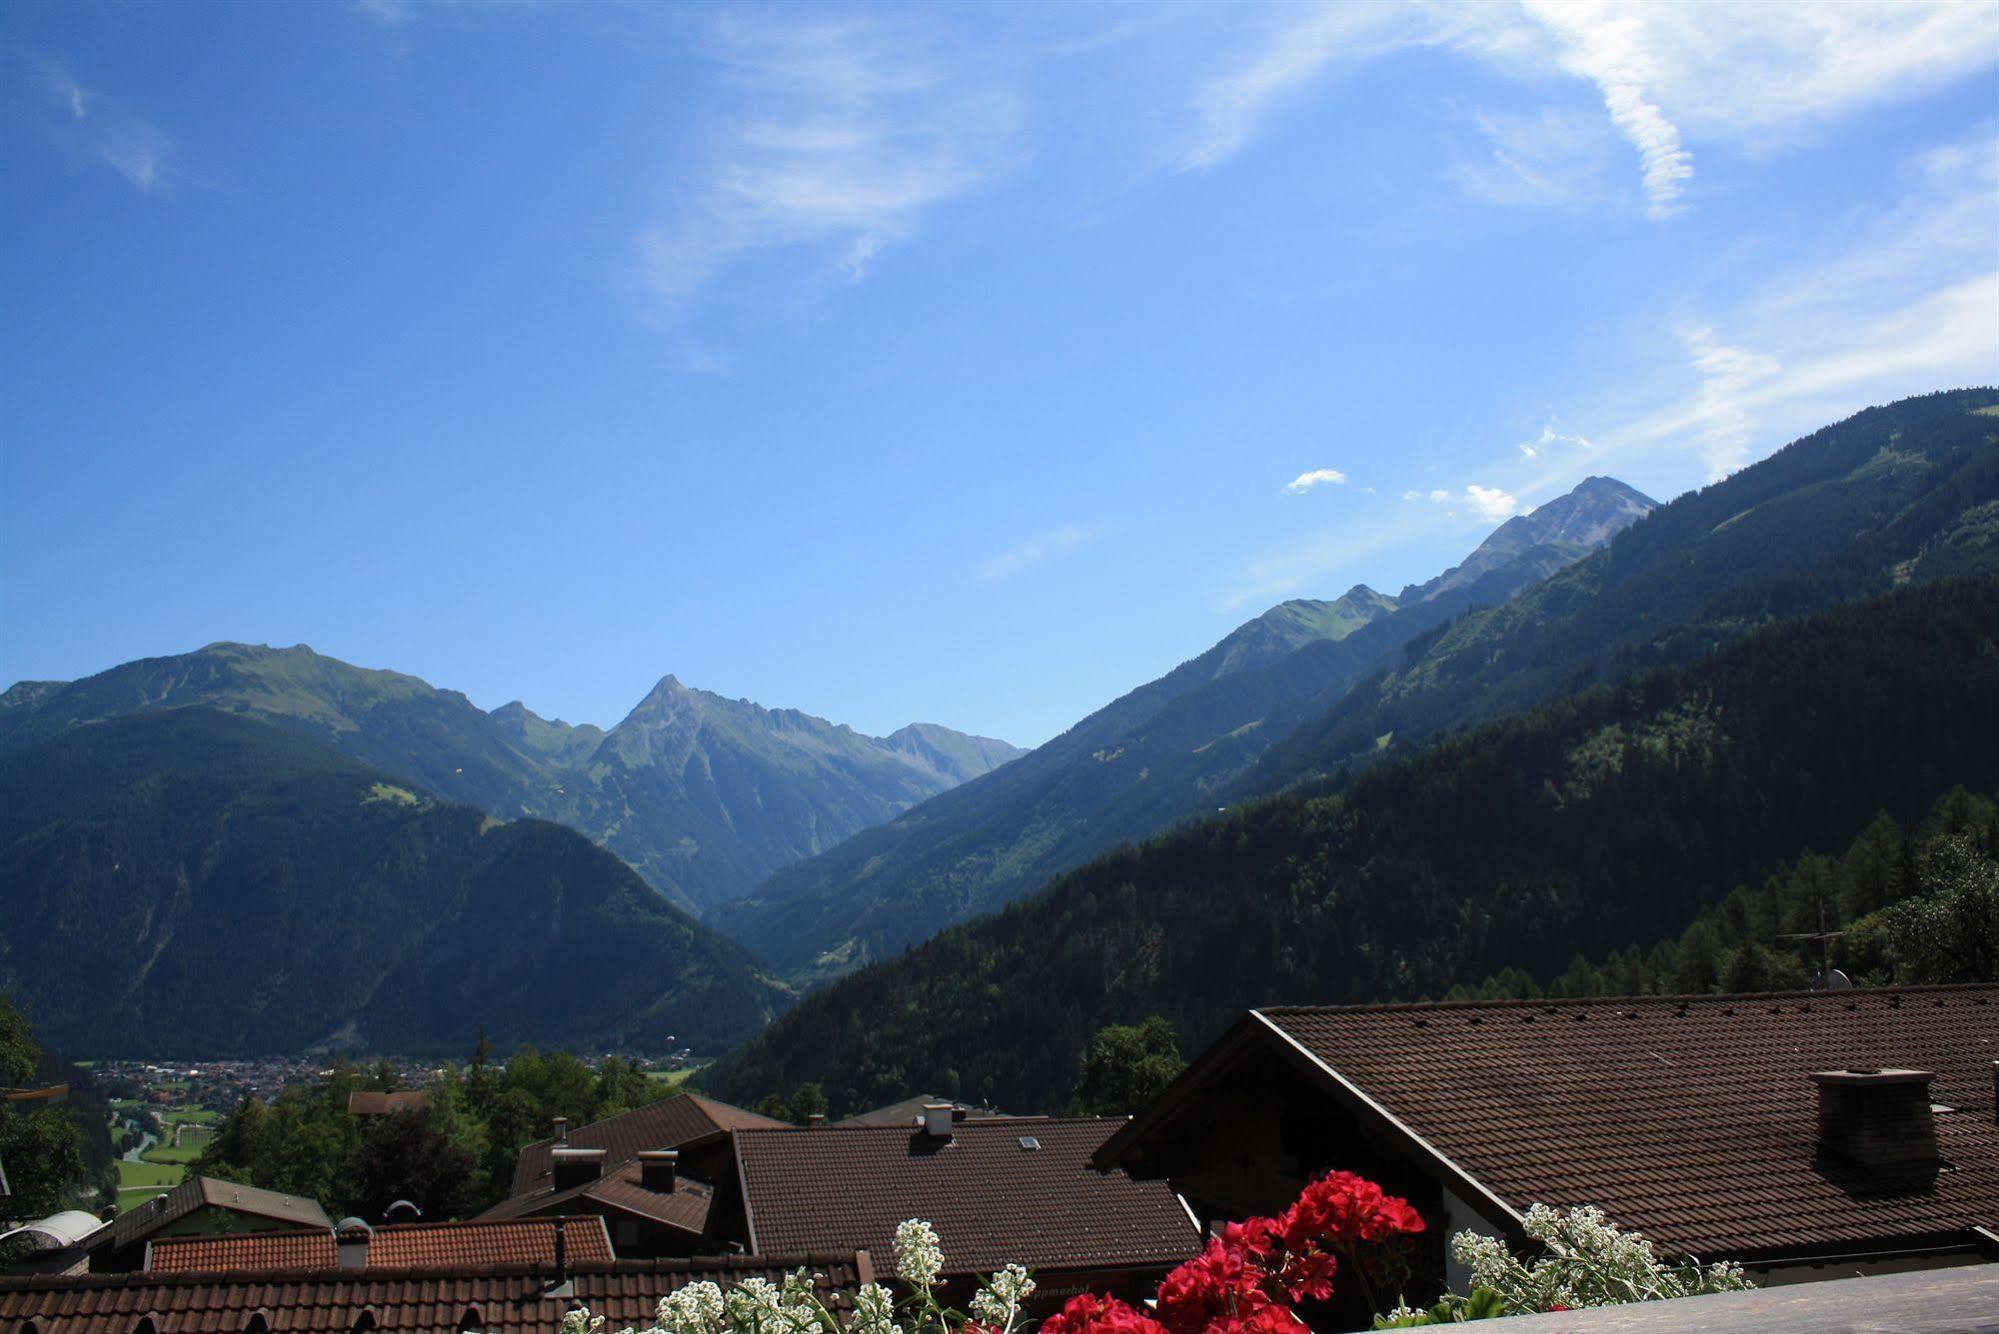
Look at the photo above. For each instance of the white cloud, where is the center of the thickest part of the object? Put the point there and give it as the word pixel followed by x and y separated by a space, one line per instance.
pixel 1753 75
pixel 845 133
pixel 1723 417
pixel 1612 48
pixel 389 13
pixel 94 130
pixel 1488 502
pixel 1550 438
pixel 1038 549
pixel 1305 481
pixel 1556 157
pixel 1231 106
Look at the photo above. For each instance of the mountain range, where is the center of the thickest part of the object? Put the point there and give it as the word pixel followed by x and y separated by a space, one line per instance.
pixel 704 796
pixel 1163 753
pixel 189 882
pixel 1748 672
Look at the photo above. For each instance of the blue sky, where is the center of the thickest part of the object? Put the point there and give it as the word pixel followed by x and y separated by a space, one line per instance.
pixel 961 364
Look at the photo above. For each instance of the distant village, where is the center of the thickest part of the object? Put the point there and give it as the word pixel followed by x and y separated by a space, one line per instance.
pixel 1806 1137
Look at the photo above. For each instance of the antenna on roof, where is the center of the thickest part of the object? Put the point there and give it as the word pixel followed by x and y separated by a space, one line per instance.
pixel 1829 978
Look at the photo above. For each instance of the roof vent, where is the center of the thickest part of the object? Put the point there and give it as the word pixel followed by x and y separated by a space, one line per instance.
pixel 658 1169
pixel 402 1211
pixel 561 1130
pixel 1878 1121
pixel 937 1120
pixel 1029 1143
pixel 350 1243
pixel 574 1167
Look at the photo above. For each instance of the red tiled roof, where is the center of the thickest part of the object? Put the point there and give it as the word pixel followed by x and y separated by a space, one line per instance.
pixel 197 1192
pixel 846 1187
pixel 368 1102
pixel 392 1246
pixel 1690 1119
pixel 668 1124
pixel 685 1206
pixel 503 1300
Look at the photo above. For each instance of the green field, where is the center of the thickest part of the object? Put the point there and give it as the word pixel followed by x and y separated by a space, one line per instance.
pixel 167 1154
pixel 673 1079
pixel 148 1178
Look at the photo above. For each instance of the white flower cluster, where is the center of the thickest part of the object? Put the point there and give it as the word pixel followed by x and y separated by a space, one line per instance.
pixel 758 1306
pixel 694 1309
pixel 918 1258
pixel 1590 1261
pixel 997 1302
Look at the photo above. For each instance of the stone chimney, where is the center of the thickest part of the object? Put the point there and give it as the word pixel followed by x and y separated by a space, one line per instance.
pixel 350 1243
pixel 1878 1120
pixel 659 1169
pixel 937 1120
pixel 573 1167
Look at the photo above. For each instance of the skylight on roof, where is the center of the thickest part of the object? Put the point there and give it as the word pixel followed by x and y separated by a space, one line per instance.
pixel 1029 1143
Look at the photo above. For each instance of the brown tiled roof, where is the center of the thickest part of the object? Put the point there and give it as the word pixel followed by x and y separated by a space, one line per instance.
pixel 685 1206
pixel 196 1192
pixel 1691 1119
pixel 392 1246
pixel 910 1110
pixel 503 1300
pixel 368 1102
pixel 669 1124
pixel 846 1187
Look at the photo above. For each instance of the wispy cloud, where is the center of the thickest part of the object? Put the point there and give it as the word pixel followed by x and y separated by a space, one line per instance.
pixel 1308 42
pixel 1038 549
pixel 842 135
pixel 1752 75
pixel 1556 157
pixel 1487 502
pixel 389 13
pixel 1611 47
pixel 93 129
pixel 1305 481
pixel 1550 438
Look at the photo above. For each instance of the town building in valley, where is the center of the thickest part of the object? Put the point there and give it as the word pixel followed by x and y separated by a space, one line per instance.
pixel 1805 1135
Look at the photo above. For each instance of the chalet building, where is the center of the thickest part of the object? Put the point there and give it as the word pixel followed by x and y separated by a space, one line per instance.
pixel 198 1206
pixel 1017 1189
pixel 438 1299
pixel 651 1173
pixel 1805 1135
pixel 369 1102
pixel 552 1243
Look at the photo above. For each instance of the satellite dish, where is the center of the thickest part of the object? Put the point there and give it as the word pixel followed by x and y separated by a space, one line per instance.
pixel 1832 980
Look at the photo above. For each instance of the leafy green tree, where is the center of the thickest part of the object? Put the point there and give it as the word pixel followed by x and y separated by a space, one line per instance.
pixel 407 1157
pixel 1127 1066
pixel 42 1148
pixel 1950 932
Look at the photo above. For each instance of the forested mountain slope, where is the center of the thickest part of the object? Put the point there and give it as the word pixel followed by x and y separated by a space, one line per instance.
pixel 1894 493
pixel 1593 822
pixel 1167 751
pixel 706 796
pixel 190 882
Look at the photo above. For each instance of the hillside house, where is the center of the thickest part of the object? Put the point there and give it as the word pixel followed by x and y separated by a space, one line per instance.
pixel 199 1206
pixel 1805 1135
pixel 651 1173
pixel 549 1242
pixel 1017 1189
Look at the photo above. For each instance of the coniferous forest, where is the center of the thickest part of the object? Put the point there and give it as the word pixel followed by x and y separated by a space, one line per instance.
pixel 1603 820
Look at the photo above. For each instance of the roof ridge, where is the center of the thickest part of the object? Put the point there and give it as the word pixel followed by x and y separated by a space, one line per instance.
pixel 904 1127
pixel 1572 1002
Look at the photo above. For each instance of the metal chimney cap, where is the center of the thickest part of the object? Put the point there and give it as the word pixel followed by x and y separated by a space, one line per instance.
pixel 657 1155
pixel 567 1155
pixel 1867 1077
